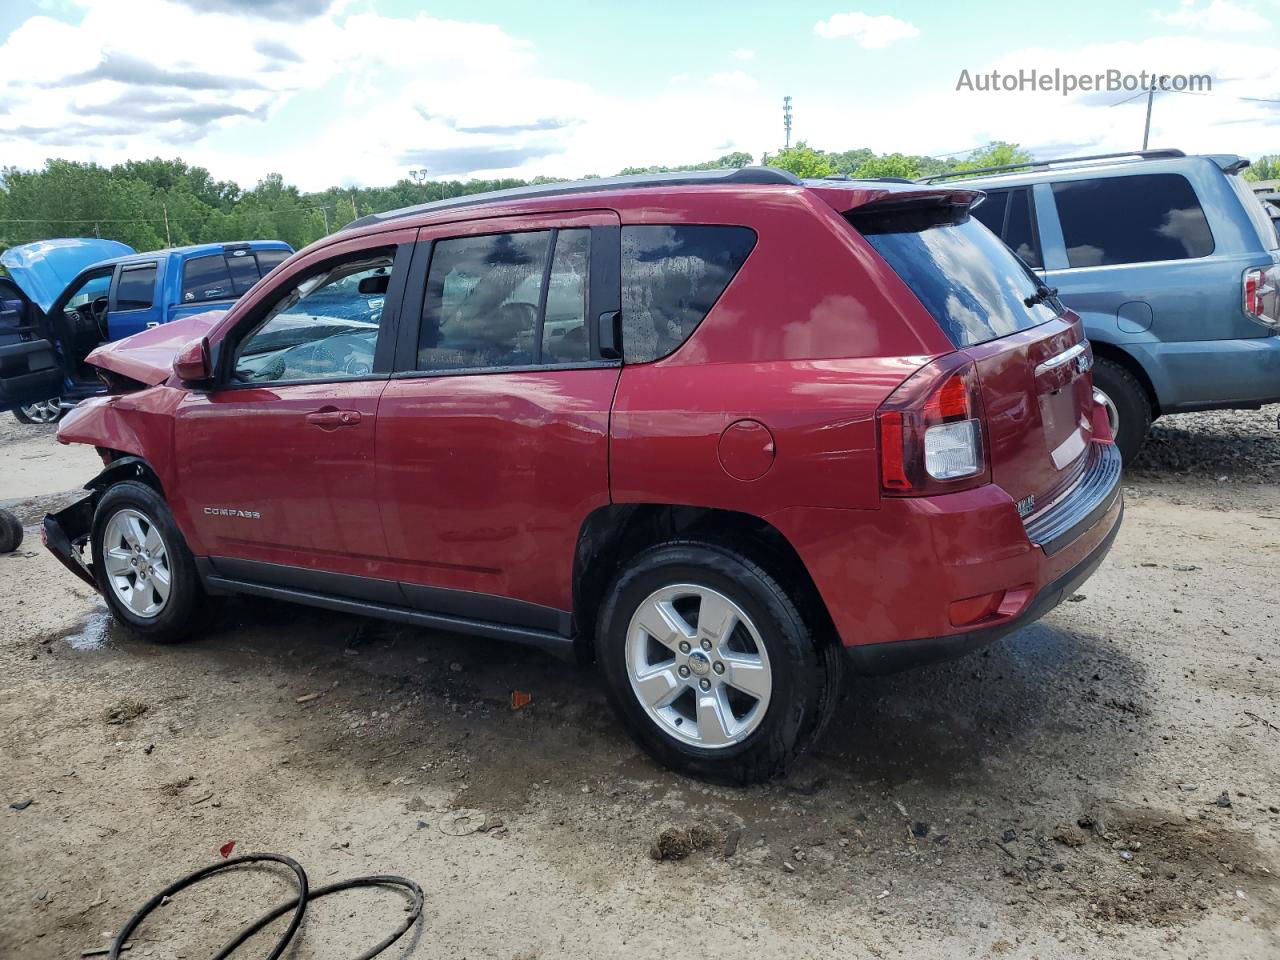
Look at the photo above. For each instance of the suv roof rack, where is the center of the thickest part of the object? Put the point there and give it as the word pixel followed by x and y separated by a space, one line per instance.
pixel 1046 164
pixel 682 178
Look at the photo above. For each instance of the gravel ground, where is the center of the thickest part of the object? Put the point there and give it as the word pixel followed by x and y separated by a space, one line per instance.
pixel 1103 783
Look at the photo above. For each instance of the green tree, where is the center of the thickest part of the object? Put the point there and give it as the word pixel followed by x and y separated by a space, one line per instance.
pixel 997 153
pixel 888 165
pixel 1266 167
pixel 802 160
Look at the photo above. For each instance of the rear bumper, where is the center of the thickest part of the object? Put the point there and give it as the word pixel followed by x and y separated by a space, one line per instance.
pixel 895 579
pixel 877 658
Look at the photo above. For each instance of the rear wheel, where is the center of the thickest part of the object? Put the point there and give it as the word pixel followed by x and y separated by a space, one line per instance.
pixel 1128 406
pixel 711 667
pixel 145 571
pixel 45 411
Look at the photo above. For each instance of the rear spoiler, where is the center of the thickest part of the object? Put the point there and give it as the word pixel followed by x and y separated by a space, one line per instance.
pixel 873 199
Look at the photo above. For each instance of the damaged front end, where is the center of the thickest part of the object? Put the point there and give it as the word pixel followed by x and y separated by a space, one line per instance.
pixel 66 533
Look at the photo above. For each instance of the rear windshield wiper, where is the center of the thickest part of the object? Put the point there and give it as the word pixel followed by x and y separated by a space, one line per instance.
pixel 1042 294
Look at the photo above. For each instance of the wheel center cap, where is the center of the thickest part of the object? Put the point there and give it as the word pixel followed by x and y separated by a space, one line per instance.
pixel 699 664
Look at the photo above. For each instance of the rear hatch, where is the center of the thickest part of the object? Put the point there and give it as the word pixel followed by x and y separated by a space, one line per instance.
pixel 1030 352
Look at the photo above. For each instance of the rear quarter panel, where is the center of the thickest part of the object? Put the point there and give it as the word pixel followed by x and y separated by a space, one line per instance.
pixel 808 339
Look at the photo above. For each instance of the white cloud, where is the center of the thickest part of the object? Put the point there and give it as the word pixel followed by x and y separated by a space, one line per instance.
pixel 872 32
pixel 742 53
pixel 1215 15
pixel 359 98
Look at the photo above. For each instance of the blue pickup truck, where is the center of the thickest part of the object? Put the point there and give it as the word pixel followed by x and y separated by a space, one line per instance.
pixel 80 292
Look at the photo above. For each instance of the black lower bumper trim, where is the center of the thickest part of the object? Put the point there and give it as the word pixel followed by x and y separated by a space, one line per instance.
pixel 881 658
pixel 67 528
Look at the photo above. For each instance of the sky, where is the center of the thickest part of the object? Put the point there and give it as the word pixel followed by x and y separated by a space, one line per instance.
pixel 360 92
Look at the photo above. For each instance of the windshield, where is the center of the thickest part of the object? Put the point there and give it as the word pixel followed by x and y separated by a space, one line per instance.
pixel 973 285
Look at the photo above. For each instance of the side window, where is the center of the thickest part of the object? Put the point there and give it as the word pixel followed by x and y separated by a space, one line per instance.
pixel 506 300
pixel 1019 231
pixel 243 270
pixel 136 290
pixel 268 260
pixel 323 327
pixel 990 213
pixel 206 278
pixel 671 277
pixel 564 329
pixel 1110 220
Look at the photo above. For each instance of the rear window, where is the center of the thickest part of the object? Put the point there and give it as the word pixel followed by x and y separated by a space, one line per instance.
pixel 671 277
pixel 226 276
pixel 1138 219
pixel 971 283
pixel 1257 213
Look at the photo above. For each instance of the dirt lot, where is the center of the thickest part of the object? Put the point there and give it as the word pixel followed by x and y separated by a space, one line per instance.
pixel 1104 784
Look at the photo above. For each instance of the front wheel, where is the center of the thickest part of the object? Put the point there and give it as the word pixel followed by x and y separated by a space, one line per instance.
pixel 44 411
pixel 145 571
pixel 711 667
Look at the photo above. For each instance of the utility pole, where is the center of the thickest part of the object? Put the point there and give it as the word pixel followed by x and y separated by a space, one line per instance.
pixel 324 211
pixel 355 213
pixel 168 241
pixel 1146 131
pixel 786 119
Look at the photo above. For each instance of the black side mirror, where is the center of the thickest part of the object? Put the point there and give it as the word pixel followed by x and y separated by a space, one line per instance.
pixel 374 285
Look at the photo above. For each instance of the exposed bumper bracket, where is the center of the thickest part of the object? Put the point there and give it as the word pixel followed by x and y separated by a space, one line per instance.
pixel 66 534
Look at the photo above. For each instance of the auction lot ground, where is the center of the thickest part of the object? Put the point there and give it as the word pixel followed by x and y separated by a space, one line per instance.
pixel 938 817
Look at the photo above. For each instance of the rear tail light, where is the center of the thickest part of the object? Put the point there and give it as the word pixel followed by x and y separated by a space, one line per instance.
pixel 1258 288
pixel 931 431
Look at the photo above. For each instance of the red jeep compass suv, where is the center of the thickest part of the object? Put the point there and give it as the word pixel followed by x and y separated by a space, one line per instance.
pixel 725 432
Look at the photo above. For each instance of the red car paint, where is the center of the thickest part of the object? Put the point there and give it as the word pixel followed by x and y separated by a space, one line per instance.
pixel 483 482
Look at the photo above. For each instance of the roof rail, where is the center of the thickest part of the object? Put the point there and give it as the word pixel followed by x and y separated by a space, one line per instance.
pixel 681 178
pixel 1046 164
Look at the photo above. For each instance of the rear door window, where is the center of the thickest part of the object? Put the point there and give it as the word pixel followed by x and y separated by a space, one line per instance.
pixel 243 270
pixel 206 278
pixel 990 213
pixel 671 278
pixel 971 283
pixel 136 289
pixel 1020 229
pixel 506 300
pixel 1137 219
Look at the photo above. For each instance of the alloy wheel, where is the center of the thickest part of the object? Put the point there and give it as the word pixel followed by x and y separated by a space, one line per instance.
pixel 698 666
pixel 45 411
pixel 1113 414
pixel 136 561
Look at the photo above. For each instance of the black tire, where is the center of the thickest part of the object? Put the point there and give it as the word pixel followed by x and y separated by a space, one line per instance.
pixel 10 532
pixel 806 670
pixel 1132 404
pixel 178 618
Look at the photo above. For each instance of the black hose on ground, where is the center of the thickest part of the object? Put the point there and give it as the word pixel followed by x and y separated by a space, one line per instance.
pixel 298 905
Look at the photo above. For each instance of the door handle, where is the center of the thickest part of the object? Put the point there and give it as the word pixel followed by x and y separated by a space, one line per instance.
pixel 332 419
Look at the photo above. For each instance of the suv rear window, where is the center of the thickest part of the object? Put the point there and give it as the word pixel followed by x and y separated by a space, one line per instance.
pixel 1138 219
pixel 966 278
pixel 225 276
pixel 671 278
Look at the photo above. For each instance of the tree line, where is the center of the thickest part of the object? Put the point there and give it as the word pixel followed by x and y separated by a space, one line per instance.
pixel 150 204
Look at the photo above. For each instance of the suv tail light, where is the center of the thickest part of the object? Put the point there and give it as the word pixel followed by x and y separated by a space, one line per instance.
pixel 932 431
pixel 1259 288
